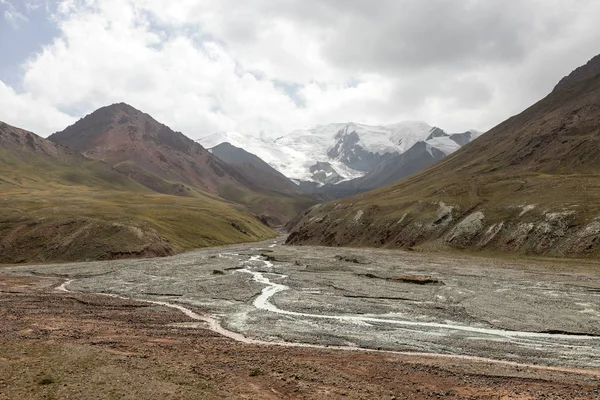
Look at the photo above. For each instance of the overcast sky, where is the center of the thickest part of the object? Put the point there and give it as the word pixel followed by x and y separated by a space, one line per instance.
pixel 270 66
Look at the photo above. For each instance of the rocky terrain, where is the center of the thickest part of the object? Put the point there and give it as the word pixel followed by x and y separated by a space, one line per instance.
pixel 301 323
pixel 527 186
pixel 399 166
pixel 528 313
pixel 56 345
pixel 254 166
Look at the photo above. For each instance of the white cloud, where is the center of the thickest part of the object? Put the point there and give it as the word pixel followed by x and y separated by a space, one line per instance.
pixel 270 67
pixel 30 113
pixel 33 5
pixel 13 16
pixel 194 87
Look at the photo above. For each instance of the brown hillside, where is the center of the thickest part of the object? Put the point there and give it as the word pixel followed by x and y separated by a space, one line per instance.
pixel 121 134
pixel 57 205
pixel 529 185
pixel 168 162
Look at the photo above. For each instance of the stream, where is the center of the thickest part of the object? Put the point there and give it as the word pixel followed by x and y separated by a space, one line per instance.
pixel 256 301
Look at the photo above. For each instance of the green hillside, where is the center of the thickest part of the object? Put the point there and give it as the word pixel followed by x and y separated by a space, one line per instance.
pixel 56 205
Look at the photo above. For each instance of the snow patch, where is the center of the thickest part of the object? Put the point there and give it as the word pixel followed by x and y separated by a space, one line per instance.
pixel 429 149
pixel 443 144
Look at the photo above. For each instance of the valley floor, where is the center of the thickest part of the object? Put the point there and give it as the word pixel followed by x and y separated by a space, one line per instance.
pixel 301 322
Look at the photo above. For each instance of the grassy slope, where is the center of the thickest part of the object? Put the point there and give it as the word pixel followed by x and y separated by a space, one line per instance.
pixel 547 157
pixel 278 205
pixel 70 208
pixel 168 162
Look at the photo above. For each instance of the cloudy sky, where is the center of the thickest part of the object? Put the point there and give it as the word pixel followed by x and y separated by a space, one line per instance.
pixel 270 66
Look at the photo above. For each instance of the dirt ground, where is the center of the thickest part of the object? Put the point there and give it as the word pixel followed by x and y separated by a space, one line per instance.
pixel 82 346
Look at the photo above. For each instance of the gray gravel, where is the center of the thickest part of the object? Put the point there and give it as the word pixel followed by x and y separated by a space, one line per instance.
pixel 483 307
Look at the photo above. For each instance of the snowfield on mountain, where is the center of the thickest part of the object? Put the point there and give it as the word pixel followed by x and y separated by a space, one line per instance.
pixel 351 149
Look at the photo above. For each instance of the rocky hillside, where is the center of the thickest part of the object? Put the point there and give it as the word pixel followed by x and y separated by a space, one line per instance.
pixel 529 185
pixel 265 175
pixel 168 162
pixel 418 157
pixel 30 161
pixel 123 136
pixel 57 205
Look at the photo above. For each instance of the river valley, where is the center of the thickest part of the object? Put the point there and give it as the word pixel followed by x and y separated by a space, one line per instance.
pixel 545 313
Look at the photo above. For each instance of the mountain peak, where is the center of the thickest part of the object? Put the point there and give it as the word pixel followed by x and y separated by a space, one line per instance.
pixel 121 107
pixel 110 111
pixel 436 132
pixel 119 125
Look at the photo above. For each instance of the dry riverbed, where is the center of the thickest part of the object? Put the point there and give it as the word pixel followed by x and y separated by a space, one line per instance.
pixel 272 321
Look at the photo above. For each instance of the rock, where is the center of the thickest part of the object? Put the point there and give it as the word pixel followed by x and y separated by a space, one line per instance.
pixel 466 230
pixel 417 279
pixel 352 259
pixel 238 227
pixel 269 257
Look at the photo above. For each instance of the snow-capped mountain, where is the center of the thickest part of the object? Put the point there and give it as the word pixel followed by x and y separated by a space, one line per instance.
pixel 338 152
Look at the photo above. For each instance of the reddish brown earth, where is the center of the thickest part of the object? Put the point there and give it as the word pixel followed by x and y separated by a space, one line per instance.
pixel 19 141
pixel 121 134
pixel 63 345
pixel 168 162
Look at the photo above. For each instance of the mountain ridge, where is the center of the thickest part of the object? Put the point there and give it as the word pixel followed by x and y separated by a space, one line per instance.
pixel 525 186
pixel 169 162
pixel 349 150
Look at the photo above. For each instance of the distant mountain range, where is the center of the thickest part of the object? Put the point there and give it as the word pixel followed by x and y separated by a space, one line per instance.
pixel 121 184
pixel 341 159
pixel 529 185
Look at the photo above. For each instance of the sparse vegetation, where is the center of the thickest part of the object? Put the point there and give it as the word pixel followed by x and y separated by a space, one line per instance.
pixel 529 185
pixel 59 206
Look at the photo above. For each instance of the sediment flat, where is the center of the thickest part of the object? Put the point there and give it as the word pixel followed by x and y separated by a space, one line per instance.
pixel 272 321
